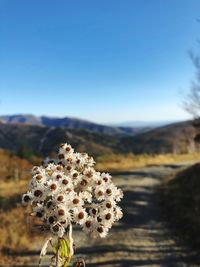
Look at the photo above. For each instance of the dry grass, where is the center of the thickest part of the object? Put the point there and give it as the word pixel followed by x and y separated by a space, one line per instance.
pixel 14 230
pixel 14 233
pixel 181 200
pixel 120 162
pixel 13 187
pixel 13 167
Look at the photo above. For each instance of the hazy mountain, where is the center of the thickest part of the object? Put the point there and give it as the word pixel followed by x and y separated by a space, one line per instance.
pixel 149 124
pixel 21 118
pixel 70 123
pixel 44 140
pixel 172 138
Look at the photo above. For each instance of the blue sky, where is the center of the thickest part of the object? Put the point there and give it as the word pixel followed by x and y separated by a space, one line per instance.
pixel 102 60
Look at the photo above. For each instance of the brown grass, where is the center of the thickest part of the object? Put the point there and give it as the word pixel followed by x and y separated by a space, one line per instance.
pixel 14 233
pixel 181 200
pixel 13 166
pixel 119 162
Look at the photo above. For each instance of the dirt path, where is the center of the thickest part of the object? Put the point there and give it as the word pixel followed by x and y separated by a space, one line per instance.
pixel 141 238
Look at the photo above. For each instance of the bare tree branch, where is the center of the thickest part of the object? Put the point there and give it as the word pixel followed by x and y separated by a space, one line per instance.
pixel 191 103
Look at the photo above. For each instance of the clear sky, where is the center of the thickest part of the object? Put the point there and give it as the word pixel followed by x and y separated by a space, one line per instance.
pixel 102 60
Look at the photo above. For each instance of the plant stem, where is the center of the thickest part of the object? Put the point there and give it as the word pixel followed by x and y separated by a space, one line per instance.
pixel 71 241
pixel 57 255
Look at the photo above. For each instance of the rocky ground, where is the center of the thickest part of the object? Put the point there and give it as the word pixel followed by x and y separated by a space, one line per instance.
pixel 142 238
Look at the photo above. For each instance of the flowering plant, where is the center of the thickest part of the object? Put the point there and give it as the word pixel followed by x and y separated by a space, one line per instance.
pixel 69 191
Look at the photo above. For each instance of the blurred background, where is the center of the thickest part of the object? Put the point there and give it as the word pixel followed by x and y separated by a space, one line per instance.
pixel 119 80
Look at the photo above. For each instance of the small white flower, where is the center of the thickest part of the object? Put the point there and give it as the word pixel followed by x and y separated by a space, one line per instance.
pixel 59 197
pixel 65 183
pixel 66 149
pixel 76 201
pixel 94 210
pixel 99 193
pixel 89 225
pixel 51 219
pixel 109 204
pixel 106 177
pixel 89 173
pixel 47 161
pixel 57 175
pixel 80 215
pixel 86 196
pixel 118 195
pixel 53 186
pixel 79 160
pixel 110 190
pixel 58 229
pixel 62 212
pixel 63 215
pixel 50 168
pixel 39 179
pixel 118 213
pixel 90 161
pixel 107 218
pixel 39 193
pixel 75 177
pixel 37 170
pixel 39 211
pixel 26 198
pixel 102 231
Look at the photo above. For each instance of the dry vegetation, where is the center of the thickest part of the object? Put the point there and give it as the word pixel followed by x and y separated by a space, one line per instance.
pixel 14 233
pixel 120 162
pixel 181 199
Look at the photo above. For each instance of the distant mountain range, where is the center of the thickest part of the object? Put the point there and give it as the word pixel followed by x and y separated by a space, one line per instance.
pixel 70 123
pixel 29 132
pixel 150 124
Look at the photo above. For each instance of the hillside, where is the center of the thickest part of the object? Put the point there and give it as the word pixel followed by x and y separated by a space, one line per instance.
pixel 181 199
pixel 70 123
pixel 173 138
pixel 43 140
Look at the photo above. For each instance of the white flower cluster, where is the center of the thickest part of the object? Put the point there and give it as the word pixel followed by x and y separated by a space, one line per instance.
pixel 69 190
